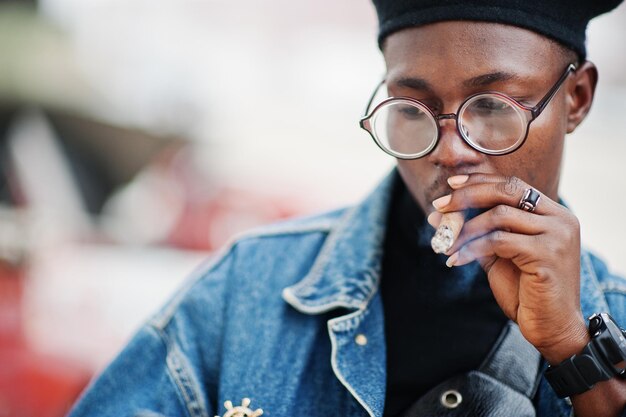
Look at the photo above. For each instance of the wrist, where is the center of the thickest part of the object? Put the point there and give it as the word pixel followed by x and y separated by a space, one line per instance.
pixel 600 360
pixel 573 342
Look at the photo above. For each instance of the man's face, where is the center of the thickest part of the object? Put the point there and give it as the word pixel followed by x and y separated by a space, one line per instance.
pixel 443 58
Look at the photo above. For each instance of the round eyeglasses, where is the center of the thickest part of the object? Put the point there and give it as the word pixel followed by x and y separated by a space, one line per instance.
pixel 491 122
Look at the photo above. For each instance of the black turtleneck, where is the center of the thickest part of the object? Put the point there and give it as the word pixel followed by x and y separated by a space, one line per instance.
pixel 439 321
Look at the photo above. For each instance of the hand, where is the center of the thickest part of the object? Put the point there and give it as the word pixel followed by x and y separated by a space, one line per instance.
pixel 532 260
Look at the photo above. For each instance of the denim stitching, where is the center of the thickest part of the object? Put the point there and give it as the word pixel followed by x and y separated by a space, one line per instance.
pixel 336 325
pixel 147 413
pixel 184 380
pixel 612 287
pixel 321 223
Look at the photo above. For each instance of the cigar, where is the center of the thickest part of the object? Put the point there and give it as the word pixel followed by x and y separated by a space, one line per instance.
pixel 447 232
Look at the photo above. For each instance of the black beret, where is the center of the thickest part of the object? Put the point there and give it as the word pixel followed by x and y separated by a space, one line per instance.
pixel 562 20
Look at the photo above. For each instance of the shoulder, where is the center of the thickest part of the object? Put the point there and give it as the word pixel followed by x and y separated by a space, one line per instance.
pixel 323 222
pixel 235 287
pixel 275 255
pixel 180 348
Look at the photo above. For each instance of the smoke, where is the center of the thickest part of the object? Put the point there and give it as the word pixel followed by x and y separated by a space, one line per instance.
pixel 464 280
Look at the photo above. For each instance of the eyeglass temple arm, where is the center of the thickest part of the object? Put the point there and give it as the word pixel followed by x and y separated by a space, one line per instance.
pixel 369 102
pixel 536 111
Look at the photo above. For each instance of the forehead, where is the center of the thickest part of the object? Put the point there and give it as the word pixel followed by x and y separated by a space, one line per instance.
pixel 448 49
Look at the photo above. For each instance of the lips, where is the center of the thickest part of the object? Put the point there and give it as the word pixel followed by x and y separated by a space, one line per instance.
pixel 440 187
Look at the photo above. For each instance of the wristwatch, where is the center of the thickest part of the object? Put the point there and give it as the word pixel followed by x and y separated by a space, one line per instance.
pixel 602 359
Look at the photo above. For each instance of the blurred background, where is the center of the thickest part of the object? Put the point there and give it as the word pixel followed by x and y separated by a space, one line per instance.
pixel 138 136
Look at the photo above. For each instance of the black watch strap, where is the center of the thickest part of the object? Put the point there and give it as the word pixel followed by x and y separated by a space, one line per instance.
pixel 578 373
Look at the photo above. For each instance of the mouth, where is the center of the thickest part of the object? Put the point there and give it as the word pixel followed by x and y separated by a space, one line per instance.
pixel 440 187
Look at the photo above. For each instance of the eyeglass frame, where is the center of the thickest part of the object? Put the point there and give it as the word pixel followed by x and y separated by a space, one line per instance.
pixel 532 114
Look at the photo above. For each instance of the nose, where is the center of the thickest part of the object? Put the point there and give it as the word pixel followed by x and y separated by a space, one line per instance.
pixel 452 151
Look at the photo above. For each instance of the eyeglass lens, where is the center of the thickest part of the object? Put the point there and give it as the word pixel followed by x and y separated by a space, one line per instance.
pixel 487 121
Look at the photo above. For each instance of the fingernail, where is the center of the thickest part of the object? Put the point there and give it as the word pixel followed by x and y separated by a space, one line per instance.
pixel 458 180
pixel 451 261
pixel 442 201
pixel 432 218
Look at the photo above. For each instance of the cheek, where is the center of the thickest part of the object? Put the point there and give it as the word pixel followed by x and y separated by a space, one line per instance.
pixel 538 161
pixel 413 174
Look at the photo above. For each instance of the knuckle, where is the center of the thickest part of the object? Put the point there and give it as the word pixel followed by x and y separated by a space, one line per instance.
pixel 561 252
pixel 575 224
pixel 512 186
pixel 543 274
pixel 501 210
pixel 573 232
pixel 497 237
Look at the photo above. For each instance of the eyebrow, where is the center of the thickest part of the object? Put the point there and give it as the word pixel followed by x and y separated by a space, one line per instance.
pixel 414 83
pixel 484 80
pixel 491 78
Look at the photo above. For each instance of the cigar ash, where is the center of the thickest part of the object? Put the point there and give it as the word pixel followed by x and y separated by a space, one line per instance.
pixel 443 239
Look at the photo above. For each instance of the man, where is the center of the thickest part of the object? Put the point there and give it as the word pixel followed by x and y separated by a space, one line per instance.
pixel 351 313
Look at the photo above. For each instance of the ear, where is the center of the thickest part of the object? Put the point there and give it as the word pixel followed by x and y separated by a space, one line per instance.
pixel 581 91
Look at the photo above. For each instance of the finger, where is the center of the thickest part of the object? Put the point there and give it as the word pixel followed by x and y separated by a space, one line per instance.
pixel 501 217
pixel 460 181
pixel 505 285
pixel 508 245
pixel 490 194
pixel 434 218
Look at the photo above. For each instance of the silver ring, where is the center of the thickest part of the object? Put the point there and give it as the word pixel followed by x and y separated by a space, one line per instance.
pixel 530 200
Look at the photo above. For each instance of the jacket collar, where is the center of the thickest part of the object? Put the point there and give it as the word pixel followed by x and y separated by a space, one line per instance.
pixel 347 271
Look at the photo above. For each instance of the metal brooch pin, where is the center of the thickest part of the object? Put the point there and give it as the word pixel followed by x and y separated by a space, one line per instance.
pixel 241 410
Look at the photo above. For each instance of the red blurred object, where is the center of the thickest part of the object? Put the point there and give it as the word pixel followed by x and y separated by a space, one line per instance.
pixel 31 384
pixel 207 224
pixel 213 212
pixel 10 307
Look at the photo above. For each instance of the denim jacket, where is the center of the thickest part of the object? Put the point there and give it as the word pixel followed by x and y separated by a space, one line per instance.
pixel 289 317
